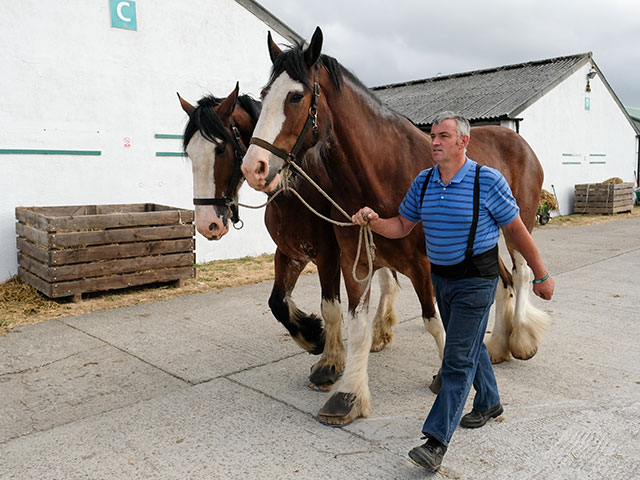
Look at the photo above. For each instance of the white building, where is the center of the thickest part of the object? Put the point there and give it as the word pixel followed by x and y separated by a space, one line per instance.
pixel 89 112
pixel 563 107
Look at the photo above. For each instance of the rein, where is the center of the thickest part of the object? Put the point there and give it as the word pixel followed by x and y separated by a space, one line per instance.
pixel 236 176
pixel 291 161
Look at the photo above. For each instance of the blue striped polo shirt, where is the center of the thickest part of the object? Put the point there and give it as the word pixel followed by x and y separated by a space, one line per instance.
pixel 448 211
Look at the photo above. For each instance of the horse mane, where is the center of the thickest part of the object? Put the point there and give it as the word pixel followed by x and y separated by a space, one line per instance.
pixel 205 120
pixel 250 105
pixel 293 62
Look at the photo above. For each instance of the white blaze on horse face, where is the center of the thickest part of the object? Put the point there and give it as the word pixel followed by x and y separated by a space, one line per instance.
pixel 203 158
pixel 257 161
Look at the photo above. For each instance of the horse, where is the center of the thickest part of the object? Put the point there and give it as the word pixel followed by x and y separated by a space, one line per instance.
pixel 215 139
pixel 363 153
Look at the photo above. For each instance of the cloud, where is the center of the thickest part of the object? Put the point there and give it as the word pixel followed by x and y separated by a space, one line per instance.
pixel 394 41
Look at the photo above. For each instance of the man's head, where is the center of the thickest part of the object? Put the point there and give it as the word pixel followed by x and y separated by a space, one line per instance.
pixel 462 124
pixel 449 137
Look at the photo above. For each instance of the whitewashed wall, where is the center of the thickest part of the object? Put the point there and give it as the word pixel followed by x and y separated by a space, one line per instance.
pixel 576 145
pixel 72 82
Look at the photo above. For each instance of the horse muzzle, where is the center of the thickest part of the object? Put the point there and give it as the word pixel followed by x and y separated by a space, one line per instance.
pixel 262 169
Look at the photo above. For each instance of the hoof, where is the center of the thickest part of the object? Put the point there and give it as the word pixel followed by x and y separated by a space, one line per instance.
pixel 495 359
pixel 323 377
pixel 498 350
pixel 379 346
pixel 436 383
pixel 338 411
pixel 522 345
pixel 525 355
pixel 382 335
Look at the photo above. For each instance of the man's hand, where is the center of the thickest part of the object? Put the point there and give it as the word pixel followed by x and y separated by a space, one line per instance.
pixel 544 289
pixel 364 216
pixel 393 227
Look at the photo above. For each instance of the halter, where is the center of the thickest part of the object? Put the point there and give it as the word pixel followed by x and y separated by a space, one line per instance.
pixel 236 175
pixel 365 235
pixel 312 122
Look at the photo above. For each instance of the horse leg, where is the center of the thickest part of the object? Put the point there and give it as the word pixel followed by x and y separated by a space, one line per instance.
pixel 385 316
pixel 350 396
pixel 498 342
pixel 529 323
pixel 330 366
pixel 421 280
pixel 305 329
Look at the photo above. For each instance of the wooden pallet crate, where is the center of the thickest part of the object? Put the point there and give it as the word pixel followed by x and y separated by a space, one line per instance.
pixel 607 198
pixel 70 250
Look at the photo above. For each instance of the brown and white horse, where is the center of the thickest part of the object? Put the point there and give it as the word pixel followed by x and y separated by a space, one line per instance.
pixel 362 153
pixel 215 138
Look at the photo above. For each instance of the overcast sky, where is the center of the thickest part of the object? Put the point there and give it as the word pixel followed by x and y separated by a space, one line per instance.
pixel 387 41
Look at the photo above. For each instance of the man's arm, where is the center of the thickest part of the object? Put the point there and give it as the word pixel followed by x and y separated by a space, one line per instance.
pixel 525 245
pixel 394 227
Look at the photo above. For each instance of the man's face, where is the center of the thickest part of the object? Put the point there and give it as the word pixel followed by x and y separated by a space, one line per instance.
pixel 445 144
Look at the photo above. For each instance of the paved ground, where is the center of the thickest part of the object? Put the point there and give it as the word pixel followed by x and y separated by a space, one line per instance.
pixel 210 387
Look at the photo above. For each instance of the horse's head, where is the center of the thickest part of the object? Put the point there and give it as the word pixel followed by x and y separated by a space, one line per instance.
pixel 289 122
pixel 213 142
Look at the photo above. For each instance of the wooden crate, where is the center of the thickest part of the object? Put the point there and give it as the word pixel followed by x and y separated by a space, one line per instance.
pixel 70 250
pixel 603 198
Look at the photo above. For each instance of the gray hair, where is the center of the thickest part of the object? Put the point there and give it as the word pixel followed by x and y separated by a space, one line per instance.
pixel 463 124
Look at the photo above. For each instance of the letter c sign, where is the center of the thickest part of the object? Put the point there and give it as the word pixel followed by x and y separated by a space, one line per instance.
pixel 123 14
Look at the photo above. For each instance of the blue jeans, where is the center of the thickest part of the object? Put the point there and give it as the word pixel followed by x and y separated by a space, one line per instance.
pixel 464 307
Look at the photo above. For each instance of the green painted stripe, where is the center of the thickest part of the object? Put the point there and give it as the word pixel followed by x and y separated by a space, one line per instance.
pixel 571 163
pixel 28 151
pixel 597 154
pixel 168 135
pixel 597 163
pixel 171 154
pixel 571 155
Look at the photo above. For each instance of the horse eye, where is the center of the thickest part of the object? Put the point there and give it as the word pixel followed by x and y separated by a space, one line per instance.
pixel 220 148
pixel 296 97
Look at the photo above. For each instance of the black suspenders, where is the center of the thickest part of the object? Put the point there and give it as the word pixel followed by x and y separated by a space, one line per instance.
pixel 468 253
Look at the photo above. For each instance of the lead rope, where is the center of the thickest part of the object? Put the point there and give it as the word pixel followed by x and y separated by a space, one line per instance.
pixel 365 234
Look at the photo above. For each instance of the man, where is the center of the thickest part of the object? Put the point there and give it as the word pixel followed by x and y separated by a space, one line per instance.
pixel 464 267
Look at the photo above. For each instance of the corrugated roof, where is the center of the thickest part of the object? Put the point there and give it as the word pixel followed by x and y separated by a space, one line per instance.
pixel 490 94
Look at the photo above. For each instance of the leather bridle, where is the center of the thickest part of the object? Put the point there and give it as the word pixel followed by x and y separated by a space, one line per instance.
pixel 227 200
pixel 311 123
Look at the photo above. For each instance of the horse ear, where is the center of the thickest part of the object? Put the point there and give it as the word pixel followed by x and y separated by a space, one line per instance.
pixel 312 53
pixel 225 109
pixel 186 106
pixel 274 50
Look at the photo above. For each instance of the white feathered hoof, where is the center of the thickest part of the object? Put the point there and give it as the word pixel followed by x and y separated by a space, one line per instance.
pixel 340 410
pixel 381 339
pixel 523 344
pixel 498 347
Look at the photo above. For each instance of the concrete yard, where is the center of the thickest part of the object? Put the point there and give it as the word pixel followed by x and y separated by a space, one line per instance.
pixel 210 386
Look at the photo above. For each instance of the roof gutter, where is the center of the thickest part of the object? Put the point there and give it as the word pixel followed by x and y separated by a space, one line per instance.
pixel 271 20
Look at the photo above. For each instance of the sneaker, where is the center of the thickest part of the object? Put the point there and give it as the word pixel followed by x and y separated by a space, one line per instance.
pixel 476 419
pixel 429 455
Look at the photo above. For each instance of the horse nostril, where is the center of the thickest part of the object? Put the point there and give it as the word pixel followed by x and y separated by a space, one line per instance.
pixel 212 227
pixel 262 167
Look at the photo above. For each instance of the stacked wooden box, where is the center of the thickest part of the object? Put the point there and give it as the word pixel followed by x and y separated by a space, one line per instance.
pixel 69 250
pixel 603 198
